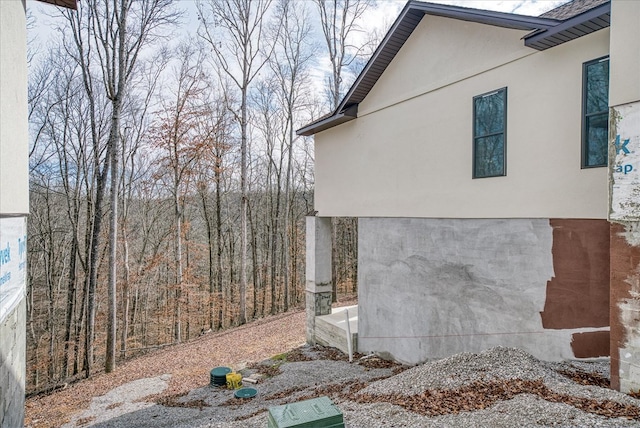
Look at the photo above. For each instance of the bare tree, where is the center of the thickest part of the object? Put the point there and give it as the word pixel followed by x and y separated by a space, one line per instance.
pixel 114 33
pixel 214 129
pixel 239 49
pixel 176 133
pixel 292 61
pixel 339 20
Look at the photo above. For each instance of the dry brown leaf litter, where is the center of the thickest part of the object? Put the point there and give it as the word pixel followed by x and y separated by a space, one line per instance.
pixel 189 365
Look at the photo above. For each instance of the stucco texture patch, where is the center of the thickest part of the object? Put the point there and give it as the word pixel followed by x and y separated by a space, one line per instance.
pixel 430 288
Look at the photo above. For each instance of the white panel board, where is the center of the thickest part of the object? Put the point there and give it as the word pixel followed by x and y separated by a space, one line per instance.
pixel 13 263
pixel 625 163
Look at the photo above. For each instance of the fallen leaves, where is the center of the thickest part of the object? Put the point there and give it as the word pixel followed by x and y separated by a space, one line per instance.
pixel 188 363
pixel 175 401
pixel 482 394
pixel 584 378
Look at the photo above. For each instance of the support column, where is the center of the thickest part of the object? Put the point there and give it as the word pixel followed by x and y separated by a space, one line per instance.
pixel 624 194
pixel 318 272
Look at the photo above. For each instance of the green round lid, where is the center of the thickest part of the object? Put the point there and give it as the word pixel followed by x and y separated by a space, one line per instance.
pixel 220 371
pixel 246 393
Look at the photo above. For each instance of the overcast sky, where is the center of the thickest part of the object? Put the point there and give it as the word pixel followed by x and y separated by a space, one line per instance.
pixel 381 17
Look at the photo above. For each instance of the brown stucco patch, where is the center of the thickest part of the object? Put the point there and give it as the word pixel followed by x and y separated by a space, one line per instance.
pixel 578 294
pixel 590 344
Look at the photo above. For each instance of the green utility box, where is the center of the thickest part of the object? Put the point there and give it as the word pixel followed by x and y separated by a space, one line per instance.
pixel 315 413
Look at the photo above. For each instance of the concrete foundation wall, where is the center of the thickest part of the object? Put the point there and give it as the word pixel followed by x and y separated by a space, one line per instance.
pixel 429 288
pixel 12 367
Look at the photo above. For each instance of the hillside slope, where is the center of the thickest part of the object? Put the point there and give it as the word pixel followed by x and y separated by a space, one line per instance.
pixel 188 364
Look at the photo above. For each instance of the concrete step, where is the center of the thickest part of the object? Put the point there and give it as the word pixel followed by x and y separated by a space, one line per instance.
pixel 331 330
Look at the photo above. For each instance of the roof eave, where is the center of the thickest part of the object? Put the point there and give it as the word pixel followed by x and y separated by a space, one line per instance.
pixel 547 32
pixel 69 4
pixel 578 26
pixel 498 19
pixel 329 122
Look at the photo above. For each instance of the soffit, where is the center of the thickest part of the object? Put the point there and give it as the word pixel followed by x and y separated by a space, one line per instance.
pixel 70 4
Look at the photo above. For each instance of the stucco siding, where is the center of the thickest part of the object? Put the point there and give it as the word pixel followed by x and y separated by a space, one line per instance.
pixel 440 52
pixel 14 146
pixel 429 288
pixel 625 52
pixel 414 158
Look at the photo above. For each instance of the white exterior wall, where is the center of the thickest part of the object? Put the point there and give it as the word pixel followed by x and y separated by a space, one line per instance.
pixel 14 146
pixel 14 206
pixel 409 153
pixel 625 55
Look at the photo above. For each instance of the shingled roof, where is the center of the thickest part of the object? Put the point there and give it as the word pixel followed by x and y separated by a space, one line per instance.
pixel 560 25
pixel 572 8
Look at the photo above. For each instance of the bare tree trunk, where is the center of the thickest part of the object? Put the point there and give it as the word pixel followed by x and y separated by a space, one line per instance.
pixel 178 262
pixel 210 252
pixel 219 249
pixel 125 290
pixel 71 298
pixel 110 363
pixel 244 204
pixel 243 20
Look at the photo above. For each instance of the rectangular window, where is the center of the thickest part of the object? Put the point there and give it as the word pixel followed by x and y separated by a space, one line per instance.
pixel 490 134
pixel 595 112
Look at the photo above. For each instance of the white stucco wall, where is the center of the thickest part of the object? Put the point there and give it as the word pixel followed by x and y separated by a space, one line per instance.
pixel 14 148
pixel 409 153
pixel 625 52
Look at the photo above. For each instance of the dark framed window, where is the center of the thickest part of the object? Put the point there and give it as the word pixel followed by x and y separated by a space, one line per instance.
pixel 595 112
pixel 490 134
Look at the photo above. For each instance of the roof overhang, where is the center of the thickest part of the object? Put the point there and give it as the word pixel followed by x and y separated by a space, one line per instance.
pixel 498 19
pixel 577 26
pixel 69 4
pixel 329 121
pixel 546 33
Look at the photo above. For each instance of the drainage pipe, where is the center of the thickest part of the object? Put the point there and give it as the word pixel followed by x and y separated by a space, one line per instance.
pixel 346 311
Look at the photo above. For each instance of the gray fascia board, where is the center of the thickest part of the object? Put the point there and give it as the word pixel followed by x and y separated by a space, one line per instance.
pixel 329 122
pixel 500 19
pixel 597 12
pixel 376 54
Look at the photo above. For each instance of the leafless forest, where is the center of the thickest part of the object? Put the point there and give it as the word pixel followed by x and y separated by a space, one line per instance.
pixel 168 186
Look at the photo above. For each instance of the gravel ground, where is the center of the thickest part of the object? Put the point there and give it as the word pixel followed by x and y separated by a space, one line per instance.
pixel 460 392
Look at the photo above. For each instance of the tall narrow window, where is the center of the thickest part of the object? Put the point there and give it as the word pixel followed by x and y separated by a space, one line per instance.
pixel 490 134
pixel 595 112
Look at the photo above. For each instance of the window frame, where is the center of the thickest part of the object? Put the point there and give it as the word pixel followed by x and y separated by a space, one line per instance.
pixel 584 152
pixel 503 133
